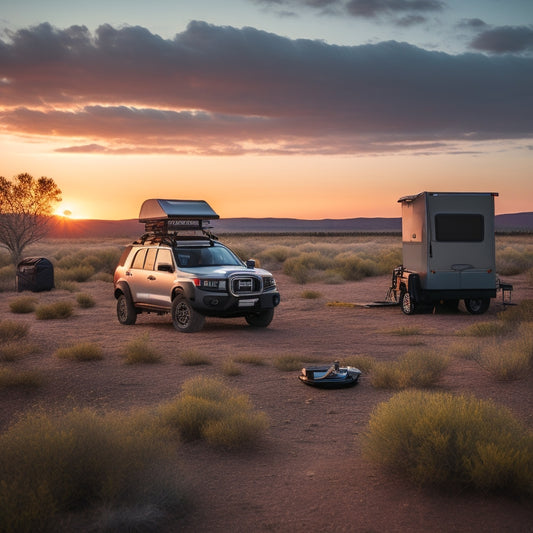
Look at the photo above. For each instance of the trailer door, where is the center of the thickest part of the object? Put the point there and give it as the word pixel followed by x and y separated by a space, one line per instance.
pixel 461 250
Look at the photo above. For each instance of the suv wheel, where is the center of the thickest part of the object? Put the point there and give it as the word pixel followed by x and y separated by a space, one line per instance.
pixel 126 312
pixel 261 319
pixel 184 317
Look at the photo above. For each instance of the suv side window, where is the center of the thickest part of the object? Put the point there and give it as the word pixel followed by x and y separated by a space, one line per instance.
pixel 149 262
pixel 138 260
pixel 164 257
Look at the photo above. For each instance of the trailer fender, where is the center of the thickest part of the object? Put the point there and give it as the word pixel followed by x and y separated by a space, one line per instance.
pixel 414 287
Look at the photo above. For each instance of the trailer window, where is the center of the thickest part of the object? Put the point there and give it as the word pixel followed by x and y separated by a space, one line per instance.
pixel 458 227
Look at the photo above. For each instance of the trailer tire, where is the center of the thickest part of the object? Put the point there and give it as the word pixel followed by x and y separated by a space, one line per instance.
pixel 477 306
pixel 406 303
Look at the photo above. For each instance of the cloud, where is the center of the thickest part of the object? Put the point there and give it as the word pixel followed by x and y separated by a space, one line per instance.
pixel 505 39
pixel 374 8
pixel 222 90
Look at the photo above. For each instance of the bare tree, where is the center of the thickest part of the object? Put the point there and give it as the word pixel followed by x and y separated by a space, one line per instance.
pixel 25 211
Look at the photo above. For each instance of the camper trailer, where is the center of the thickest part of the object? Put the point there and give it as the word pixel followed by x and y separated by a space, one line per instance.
pixel 448 252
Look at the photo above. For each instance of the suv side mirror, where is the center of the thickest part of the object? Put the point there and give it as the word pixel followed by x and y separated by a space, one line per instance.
pixel 250 263
pixel 165 267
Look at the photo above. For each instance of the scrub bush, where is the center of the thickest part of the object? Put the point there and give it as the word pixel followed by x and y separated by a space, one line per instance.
pixel 416 368
pixel 139 350
pixel 83 351
pixel 453 442
pixel 193 358
pixel 21 379
pixel 51 465
pixel 85 300
pixel 79 273
pixel 209 410
pixel 61 309
pixel 12 331
pixel 22 305
pixel 14 350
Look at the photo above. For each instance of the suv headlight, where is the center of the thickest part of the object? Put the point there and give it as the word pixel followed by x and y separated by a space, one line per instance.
pixel 268 283
pixel 211 284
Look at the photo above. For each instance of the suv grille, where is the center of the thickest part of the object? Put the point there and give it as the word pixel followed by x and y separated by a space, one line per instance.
pixel 240 285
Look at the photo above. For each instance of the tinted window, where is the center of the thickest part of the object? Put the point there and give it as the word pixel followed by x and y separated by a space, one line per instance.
pixel 150 259
pixel 138 260
pixel 457 227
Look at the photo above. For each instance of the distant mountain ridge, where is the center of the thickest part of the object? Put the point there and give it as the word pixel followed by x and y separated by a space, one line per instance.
pixel 131 228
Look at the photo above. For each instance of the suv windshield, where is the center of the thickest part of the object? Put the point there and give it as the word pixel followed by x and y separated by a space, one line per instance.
pixel 205 256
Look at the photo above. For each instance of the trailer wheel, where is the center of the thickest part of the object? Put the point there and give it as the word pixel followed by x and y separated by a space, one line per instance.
pixel 406 303
pixel 477 306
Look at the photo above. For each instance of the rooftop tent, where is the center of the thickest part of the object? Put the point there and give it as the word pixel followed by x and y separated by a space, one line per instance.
pixel 35 274
pixel 155 209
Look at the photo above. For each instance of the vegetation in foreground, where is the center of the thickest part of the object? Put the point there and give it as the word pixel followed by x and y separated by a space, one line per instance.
pixel 453 442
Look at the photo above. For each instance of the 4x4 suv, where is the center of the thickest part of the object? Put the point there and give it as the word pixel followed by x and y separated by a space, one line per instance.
pixel 172 269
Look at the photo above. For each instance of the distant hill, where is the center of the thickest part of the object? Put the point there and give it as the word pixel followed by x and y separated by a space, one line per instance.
pixel 131 228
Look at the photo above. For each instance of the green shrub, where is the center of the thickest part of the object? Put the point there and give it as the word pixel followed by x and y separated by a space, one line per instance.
pixel 12 331
pixel 443 440
pixel 83 351
pixel 14 350
pixel 140 350
pixel 61 309
pixel 207 409
pixel 21 379
pixel 24 304
pixel 416 368
pixel 85 300
pixel 51 465
pixel 193 358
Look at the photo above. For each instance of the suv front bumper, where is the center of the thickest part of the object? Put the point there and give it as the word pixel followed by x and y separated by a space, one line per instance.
pixel 224 304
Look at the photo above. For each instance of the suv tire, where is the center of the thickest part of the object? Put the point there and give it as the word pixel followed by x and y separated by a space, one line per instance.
pixel 184 317
pixel 126 312
pixel 261 319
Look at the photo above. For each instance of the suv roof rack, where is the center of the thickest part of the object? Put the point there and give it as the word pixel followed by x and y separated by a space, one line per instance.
pixel 165 219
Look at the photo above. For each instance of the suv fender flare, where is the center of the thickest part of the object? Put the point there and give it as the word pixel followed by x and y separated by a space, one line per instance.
pixel 124 288
pixel 187 289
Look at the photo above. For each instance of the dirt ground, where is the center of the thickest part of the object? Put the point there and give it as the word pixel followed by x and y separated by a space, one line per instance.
pixel 308 473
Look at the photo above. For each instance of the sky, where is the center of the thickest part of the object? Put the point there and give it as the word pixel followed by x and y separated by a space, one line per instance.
pixel 306 109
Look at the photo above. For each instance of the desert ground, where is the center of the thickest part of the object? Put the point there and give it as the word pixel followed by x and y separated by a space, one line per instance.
pixel 307 473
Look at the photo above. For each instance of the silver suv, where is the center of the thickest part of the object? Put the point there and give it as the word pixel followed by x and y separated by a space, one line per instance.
pixel 169 270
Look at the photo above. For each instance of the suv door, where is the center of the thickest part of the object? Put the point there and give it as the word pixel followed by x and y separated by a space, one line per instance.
pixel 162 279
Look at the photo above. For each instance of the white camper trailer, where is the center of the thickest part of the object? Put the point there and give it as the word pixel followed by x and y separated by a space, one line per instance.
pixel 448 251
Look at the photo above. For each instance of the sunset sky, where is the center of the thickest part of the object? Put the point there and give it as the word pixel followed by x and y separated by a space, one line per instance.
pixel 268 108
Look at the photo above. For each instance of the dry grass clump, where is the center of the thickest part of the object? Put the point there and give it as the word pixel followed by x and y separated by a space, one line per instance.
pixel 15 350
pixel 511 359
pixel 291 362
pixel 416 368
pixel 83 351
pixel 140 350
pixel 53 465
pixel 69 286
pixel 12 331
pixel 85 301
pixel 79 273
pixel 453 442
pixel 56 310
pixel 311 295
pixel 523 312
pixel 485 329
pixel 194 358
pixel 23 304
pixel 364 363
pixel 7 277
pixel 209 410
pixel 20 379
pixel 514 260
pixel 231 368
